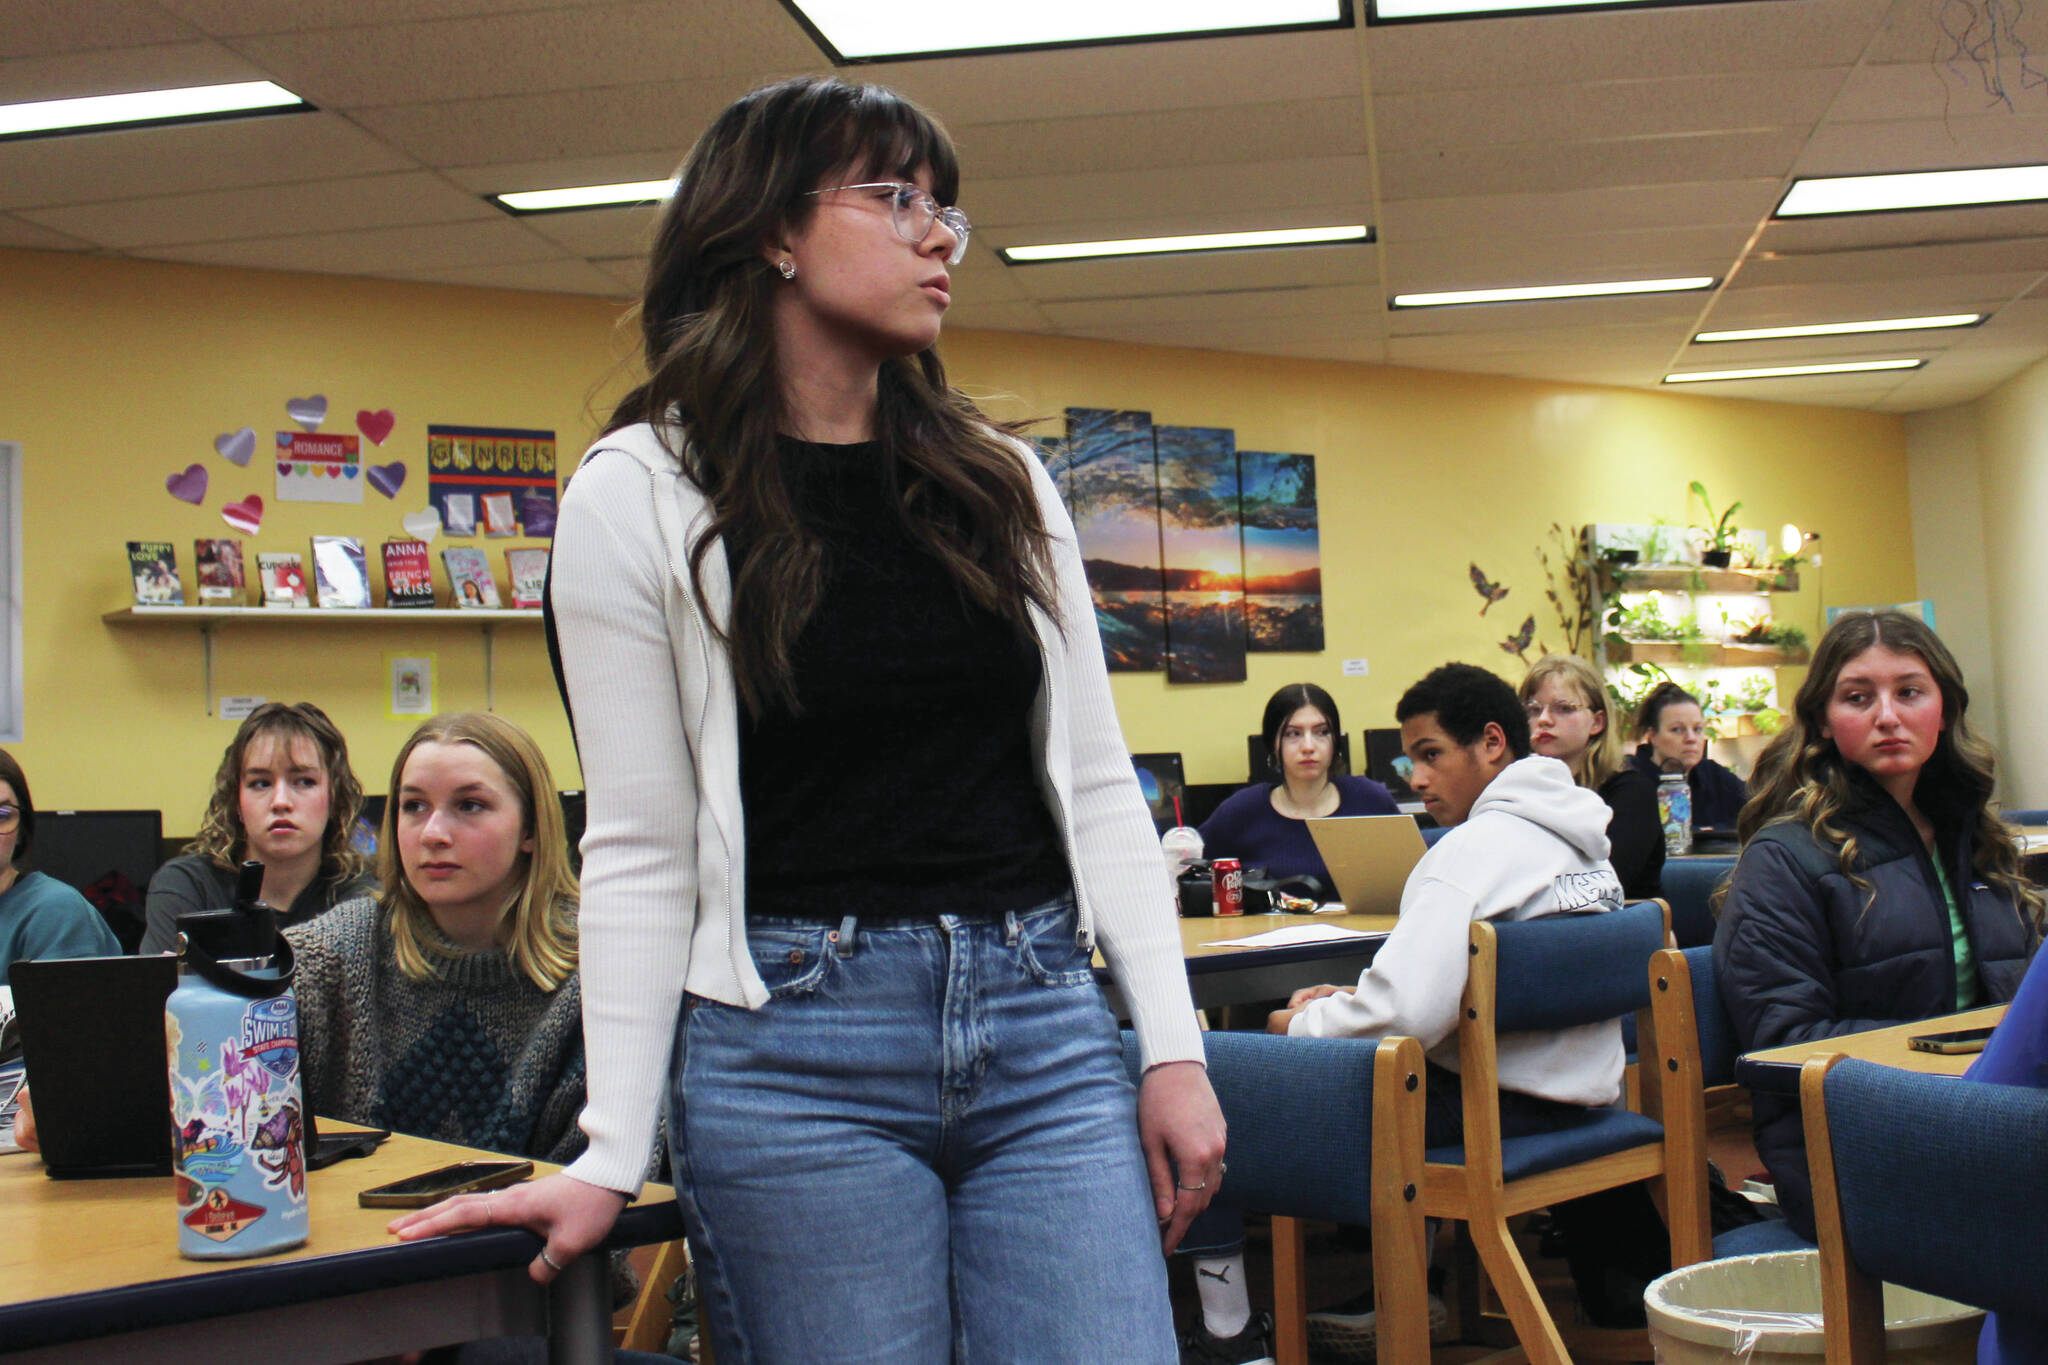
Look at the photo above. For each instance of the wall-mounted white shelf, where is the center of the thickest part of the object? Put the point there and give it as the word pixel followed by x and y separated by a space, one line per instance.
pixel 208 620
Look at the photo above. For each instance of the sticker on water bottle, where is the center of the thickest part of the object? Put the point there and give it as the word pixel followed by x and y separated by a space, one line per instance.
pixel 220 1215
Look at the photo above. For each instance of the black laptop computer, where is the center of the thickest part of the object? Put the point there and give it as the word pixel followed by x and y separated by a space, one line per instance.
pixel 92 1036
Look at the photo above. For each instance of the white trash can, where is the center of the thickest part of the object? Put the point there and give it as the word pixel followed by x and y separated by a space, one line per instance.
pixel 1765 1310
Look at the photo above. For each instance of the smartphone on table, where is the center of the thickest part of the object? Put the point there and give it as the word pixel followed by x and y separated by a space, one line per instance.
pixel 1962 1040
pixel 431 1187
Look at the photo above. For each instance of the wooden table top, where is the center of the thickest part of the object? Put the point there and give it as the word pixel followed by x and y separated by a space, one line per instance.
pixel 1777 1069
pixel 1198 936
pixel 68 1237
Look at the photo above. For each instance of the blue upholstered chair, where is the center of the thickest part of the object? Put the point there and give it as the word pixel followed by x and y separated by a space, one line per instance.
pixel 1695 1062
pixel 1922 1181
pixel 1543 974
pixel 1434 833
pixel 1326 1128
pixel 2024 817
pixel 1687 884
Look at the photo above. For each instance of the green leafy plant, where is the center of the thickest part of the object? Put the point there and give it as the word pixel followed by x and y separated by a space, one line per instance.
pixel 1720 533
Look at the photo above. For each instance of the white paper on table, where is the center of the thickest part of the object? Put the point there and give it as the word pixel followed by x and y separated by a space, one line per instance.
pixel 1291 935
pixel 2030 842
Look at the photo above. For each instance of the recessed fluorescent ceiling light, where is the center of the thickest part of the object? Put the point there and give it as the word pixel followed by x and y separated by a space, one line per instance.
pixel 1553 291
pixel 1831 329
pixel 1914 190
pixel 862 30
pixel 1394 11
pixel 1208 241
pixel 1787 371
pixel 146 106
pixel 585 196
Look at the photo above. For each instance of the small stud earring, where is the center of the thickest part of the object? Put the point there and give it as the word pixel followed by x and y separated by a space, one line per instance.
pixel 788 269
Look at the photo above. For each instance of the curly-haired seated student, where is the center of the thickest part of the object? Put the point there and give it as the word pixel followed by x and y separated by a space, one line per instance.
pixel 1876 885
pixel 39 916
pixel 1525 840
pixel 1266 824
pixel 284 795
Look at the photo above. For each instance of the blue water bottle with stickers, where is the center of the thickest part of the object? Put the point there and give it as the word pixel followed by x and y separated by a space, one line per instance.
pixel 231 1029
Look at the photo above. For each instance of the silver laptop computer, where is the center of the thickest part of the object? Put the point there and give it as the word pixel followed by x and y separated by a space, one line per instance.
pixel 1369 858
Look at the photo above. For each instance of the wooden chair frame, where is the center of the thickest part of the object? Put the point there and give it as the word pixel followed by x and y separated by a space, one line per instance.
pixel 1851 1300
pixel 1477 1194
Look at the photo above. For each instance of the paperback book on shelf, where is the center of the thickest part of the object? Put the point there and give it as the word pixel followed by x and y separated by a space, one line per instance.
pixel 154 565
pixel 219 570
pixel 284 578
pixel 527 572
pixel 408 574
pixel 469 577
pixel 340 573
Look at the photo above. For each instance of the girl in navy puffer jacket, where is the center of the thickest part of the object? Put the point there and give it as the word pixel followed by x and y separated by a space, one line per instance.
pixel 1876 885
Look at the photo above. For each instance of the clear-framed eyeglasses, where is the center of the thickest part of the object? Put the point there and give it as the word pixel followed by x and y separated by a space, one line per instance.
pixel 914 211
pixel 1562 710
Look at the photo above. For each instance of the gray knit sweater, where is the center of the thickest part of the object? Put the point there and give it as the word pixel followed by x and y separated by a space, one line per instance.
pixel 478 1055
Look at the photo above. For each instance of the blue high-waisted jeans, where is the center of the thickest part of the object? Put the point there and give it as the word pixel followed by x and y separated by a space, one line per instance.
pixel 923 1148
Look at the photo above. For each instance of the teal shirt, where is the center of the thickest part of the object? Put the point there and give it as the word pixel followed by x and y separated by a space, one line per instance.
pixel 1966 957
pixel 42 917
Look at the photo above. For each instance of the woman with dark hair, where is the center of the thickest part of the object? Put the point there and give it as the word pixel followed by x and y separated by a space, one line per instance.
pixel 1566 702
pixel 1671 730
pixel 859 809
pixel 1266 824
pixel 39 915
pixel 1876 884
pixel 284 795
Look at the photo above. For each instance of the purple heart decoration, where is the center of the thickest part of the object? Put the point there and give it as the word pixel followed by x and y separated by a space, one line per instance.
pixel 236 446
pixel 308 412
pixel 188 486
pixel 387 478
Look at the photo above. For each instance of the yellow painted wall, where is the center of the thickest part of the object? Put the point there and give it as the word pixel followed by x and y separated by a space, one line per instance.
pixel 121 372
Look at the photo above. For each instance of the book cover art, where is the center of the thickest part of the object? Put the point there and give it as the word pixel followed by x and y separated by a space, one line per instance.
pixel 469 577
pixel 284 578
pixel 219 571
pixel 498 516
pixel 527 572
pixel 408 574
pixel 341 576
pixel 154 566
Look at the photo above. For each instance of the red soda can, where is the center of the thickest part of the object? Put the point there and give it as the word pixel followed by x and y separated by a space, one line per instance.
pixel 1229 875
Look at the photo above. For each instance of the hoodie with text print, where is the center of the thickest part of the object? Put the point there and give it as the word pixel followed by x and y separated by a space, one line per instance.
pixel 1535 844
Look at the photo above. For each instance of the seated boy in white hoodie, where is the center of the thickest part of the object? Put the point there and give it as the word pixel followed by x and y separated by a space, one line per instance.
pixel 1525 840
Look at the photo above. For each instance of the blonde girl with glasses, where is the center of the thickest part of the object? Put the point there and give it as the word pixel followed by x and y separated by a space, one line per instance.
pixel 859 809
pixel 39 915
pixel 1568 720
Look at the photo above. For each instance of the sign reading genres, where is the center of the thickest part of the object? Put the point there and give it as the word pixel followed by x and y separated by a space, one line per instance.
pixel 465 465
pixel 316 468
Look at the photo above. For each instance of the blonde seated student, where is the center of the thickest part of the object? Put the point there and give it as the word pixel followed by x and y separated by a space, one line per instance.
pixel 1566 703
pixel 284 795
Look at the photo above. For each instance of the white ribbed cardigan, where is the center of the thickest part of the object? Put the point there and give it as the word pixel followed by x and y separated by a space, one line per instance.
pixel 657 728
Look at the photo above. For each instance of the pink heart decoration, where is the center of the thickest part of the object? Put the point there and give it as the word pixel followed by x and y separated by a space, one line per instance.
pixel 375 425
pixel 387 478
pixel 189 485
pixel 236 446
pixel 245 516
pixel 308 412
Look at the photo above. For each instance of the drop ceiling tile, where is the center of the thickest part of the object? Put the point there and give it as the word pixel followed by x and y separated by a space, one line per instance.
pixel 118 70
pixel 1936 35
pixel 1199 274
pixel 192 158
pixel 1596 111
pixel 1590 165
pixel 374 251
pixel 1739 355
pixel 37 28
pixel 543 277
pixel 1991 222
pixel 1654 341
pixel 1921 88
pixel 559 49
pixel 1573 212
pixel 595 233
pixel 1356 350
pixel 1319 192
pixel 236 18
pixel 1270 131
pixel 656 123
pixel 623 168
pixel 1739 306
pixel 1926 144
pixel 22 233
pixel 1638 310
pixel 629 271
pixel 1937 260
pixel 1078 82
pixel 1360 302
pixel 2026 318
pixel 1620 44
pixel 267 211
pixel 1514 259
pixel 1230 333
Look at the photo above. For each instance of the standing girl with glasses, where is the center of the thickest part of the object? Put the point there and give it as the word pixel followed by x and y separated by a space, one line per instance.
pixel 1568 721
pixel 39 915
pixel 859 809
pixel 285 796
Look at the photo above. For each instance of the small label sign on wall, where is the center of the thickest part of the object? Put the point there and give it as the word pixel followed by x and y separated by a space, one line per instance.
pixel 238 708
pixel 1355 668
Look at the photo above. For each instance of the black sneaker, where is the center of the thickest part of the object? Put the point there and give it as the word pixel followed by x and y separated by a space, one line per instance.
pixel 1252 1346
pixel 1350 1331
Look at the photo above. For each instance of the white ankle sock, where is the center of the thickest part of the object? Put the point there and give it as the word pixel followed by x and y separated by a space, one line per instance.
pixel 1226 1308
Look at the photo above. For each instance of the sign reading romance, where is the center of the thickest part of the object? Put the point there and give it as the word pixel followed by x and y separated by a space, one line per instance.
pixel 316 468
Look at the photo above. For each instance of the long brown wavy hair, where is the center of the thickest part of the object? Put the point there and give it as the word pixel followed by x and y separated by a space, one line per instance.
pixel 1602 757
pixel 221 837
pixel 1802 776
pixel 713 393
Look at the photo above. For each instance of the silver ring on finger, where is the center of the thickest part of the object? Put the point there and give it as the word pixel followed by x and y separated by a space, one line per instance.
pixel 490 1216
pixel 550 1261
pixel 1190 1189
